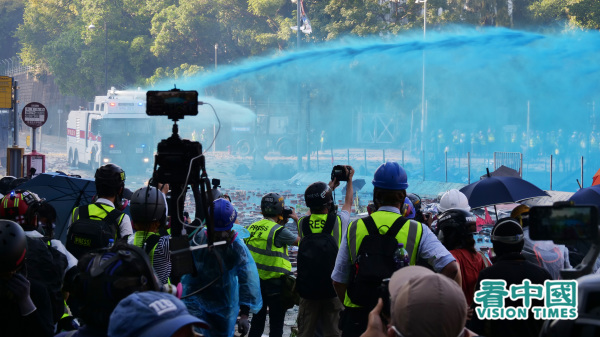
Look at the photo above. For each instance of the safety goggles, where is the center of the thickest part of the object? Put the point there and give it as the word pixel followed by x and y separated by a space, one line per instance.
pixel 507 239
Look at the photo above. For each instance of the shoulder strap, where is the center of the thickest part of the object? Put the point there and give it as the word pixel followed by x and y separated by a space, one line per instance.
pixel 113 217
pixel 329 223
pixel 396 226
pixel 151 241
pixel 370 224
pixel 84 212
pixel 393 231
pixel 305 226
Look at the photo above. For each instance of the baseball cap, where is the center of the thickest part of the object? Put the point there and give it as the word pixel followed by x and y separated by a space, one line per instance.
pixel 150 313
pixel 453 199
pixel 424 303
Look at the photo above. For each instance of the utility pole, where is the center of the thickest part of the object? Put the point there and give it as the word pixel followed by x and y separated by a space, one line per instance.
pixel 299 95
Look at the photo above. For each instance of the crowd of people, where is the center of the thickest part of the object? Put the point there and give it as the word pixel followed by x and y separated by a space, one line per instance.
pixel 116 273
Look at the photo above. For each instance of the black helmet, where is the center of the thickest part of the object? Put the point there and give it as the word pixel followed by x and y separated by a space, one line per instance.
pixel 415 200
pixel 318 195
pixel 271 204
pixel 147 205
pixel 13 245
pixel 110 174
pixel 109 177
pixel 5 184
pixel 457 219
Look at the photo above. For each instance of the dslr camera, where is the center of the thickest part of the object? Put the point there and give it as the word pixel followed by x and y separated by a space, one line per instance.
pixel 340 172
pixel 287 212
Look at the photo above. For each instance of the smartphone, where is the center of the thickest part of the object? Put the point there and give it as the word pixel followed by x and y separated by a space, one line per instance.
pixel 564 223
pixel 173 103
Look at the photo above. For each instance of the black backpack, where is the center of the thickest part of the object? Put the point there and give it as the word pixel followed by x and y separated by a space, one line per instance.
pixel 316 258
pixel 86 234
pixel 47 265
pixel 374 262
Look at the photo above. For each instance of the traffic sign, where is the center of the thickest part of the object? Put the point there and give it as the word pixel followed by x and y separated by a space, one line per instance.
pixel 34 114
pixel 6 92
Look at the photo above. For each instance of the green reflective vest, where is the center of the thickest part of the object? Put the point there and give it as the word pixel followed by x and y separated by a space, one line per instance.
pixel 317 223
pixel 271 261
pixel 138 240
pixel 98 212
pixel 409 235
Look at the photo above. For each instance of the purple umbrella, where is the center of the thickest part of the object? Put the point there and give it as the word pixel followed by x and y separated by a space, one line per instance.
pixel 500 190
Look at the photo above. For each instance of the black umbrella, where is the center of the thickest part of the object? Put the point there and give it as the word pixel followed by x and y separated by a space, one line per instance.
pixel 503 171
pixel 357 185
pixel 64 193
pixel 588 195
pixel 500 190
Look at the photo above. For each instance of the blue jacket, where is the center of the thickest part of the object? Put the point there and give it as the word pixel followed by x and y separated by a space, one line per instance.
pixel 219 304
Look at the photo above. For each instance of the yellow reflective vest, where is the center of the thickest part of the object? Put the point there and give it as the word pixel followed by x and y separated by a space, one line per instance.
pixel 138 240
pixel 410 235
pixel 317 223
pixel 271 261
pixel 99 212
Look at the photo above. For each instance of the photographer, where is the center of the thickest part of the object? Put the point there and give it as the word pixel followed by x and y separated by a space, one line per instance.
pixel 511 266
pixel 318 300
pixel 268 243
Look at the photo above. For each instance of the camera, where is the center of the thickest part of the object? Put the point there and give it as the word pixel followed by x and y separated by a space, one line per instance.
pixel 340 172
pixel 173 103
pixel 564 223
pixel 384 294
pixel 287 212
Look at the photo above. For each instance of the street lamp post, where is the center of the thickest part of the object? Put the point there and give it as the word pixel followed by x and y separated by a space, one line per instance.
pixel 423 116
pixel 216 47
pixel 105 53
pixel 298 141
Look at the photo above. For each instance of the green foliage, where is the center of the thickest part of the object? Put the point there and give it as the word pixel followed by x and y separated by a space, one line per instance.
pixel 585 13
pixel 184 70
pixel 548 11
pixel 11 15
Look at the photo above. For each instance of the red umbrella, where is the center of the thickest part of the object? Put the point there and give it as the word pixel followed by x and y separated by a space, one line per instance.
pixel 596 180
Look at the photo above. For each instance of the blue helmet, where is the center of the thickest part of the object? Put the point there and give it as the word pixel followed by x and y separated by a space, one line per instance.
pixel 390 176
pixel 224 214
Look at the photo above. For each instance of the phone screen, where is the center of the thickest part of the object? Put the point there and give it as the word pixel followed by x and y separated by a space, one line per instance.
pixel 564 223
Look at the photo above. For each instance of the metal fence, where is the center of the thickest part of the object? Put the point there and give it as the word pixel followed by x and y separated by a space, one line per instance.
pixel 514 160
pixel 14 66
pixel 547 172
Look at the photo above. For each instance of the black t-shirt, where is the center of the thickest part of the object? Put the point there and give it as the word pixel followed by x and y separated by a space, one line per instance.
pixel 513 268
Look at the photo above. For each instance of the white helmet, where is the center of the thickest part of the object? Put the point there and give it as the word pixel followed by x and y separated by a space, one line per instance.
pixel 453 199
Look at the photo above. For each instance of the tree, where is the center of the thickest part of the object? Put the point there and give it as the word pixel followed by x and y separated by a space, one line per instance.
pixel 11 15
pixel 585 13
